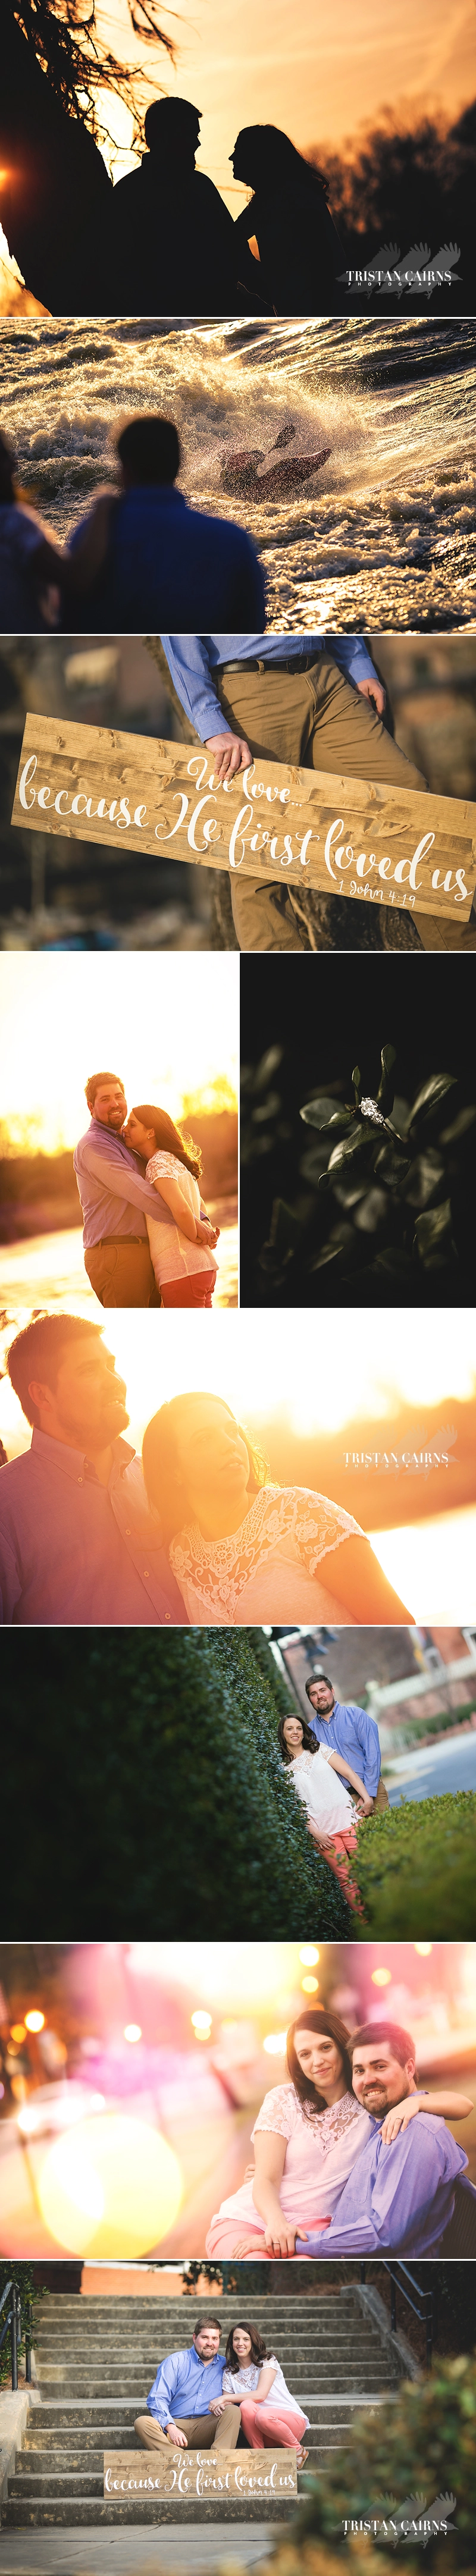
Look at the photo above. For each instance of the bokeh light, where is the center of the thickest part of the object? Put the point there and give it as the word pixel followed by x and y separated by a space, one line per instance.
pixel 18 2032
pixel 309 1985
pixel 201 2024
pixel 111 2187
pixel 309 1956
pixel 381 1976
pixel 133 2032
pixel 275 2043
pixel 423 1949
pixel 34 2021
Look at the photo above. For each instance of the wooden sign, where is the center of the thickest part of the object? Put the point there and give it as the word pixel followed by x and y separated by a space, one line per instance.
pixel 303 827
pixel 200 2475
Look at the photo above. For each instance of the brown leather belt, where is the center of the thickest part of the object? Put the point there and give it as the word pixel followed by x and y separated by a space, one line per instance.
pixel 124 1239
pixel 297 662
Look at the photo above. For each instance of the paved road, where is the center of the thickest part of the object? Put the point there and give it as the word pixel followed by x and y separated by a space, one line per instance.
pixel 434 1770
pixel 194 2551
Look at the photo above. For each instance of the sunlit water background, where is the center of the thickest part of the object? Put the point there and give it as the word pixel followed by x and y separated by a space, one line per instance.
pixel 383 536
pixel 46 1268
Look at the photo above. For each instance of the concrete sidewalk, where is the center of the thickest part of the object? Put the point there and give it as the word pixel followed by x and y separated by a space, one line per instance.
pixel 192 2551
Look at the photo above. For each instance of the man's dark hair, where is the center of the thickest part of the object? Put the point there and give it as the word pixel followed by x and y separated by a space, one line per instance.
pixel 403 2046
pixel 207 2321
pixel 166 117
pixel 318 1677
pixel 94 1084
pixel 149 448
pixel 38 1352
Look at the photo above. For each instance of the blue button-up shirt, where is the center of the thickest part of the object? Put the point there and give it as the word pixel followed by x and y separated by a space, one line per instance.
pixel 115 1196
pixel 164 554
pixel 185 2385
pixel 351 1732
pixel 76 1553
pixel 192 659
pixel 400 2196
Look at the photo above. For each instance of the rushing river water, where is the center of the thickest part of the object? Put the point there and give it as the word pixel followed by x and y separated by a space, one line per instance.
pixel 383 535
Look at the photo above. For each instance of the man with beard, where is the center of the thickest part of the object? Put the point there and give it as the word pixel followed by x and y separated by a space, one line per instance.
pixel 343 1727
pixel 78 1544
pixel 399 2196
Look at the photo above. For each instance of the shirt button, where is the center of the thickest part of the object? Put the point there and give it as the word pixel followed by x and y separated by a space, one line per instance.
pixel 146 1574
pixel 127 1533
pixel 80 1480
pixel 167 1614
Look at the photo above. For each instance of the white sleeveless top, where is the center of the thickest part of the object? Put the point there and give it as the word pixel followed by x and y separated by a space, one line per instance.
pixel 320 2153
pixel 243 2382
pixel 268 1569
pixel 173 1255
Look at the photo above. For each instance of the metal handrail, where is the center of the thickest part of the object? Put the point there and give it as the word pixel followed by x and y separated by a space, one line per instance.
pixel 423 2305
pixel 18 2336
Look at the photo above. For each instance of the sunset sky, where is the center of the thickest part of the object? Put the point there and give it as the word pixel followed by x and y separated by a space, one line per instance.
pixel 167 1025
pixel 316 72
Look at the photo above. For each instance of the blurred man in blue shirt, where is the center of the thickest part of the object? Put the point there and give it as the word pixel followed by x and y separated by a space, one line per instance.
pixel 314 701
pixel 141 548
pixel 345 1728
pixel 184 2405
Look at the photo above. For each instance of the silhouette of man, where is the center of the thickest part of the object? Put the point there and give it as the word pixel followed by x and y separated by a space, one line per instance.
pixel 172 240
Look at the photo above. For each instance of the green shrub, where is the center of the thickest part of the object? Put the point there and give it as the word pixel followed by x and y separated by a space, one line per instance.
pixel 146 1769
pixel 415 1869
pixel 421 2444
pixel 22 2273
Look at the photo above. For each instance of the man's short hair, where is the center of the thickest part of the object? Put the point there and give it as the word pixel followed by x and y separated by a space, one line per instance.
pixel 149 447
pixel 38 1352
pixel 401 2043
pixel 318 1677
pixel 94 1083
pixel 207 2321
pixel 166 116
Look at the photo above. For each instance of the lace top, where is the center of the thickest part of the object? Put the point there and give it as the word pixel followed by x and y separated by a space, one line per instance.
pixel 267 1567
pixel 282 2111
pixel 173 1254
pixel 319 2155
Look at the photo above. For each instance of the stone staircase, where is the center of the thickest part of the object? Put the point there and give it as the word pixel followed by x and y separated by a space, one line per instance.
pixel 95 2362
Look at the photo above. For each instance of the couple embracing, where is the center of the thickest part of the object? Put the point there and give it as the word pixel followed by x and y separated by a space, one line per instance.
pixel 351 2153
pixel 148 1240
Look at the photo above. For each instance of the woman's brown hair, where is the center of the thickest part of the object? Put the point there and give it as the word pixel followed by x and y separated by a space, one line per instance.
pixel 330 2028
pixel 169 1139
pixel 259 2351
pixel 309 1740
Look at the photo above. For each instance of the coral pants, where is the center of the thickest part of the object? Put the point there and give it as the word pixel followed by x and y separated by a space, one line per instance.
pixel 336 1852
pixel 267 2426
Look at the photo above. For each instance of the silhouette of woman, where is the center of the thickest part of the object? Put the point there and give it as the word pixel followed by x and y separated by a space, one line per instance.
pixel 299 248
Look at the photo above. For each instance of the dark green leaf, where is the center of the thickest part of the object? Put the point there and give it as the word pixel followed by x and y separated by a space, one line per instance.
pixel 424 1178
pixel 392 1163
pixel 322 1113
pixel 268 1067
pixel 434 1237
pixel 461 1124
pixel 372 1211
pixel 386 1089
pixel 428 1103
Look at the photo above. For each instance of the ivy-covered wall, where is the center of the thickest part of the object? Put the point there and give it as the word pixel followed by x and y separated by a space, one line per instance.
pixel 145 1768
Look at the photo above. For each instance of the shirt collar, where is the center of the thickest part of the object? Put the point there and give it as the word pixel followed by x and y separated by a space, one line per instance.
pixel 71 1461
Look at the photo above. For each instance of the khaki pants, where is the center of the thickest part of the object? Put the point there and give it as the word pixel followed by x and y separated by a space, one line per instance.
pixel 203 2431
pixel 317 720
pixel 122 1274
pixel 381 1797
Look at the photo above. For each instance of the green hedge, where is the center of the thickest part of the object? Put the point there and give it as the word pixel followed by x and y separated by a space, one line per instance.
pixel 415 1867
pixel 421 2444
pixel 145 1768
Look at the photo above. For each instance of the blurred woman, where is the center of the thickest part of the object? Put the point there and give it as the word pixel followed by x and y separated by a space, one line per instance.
pixel 253 2380
pixel 331 1813
pixel 300 254
pixel 243 1549
pixel 182 1255
pixel 29 562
